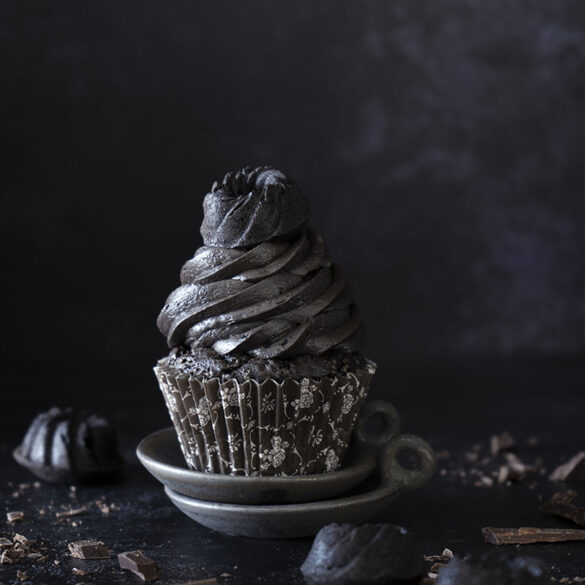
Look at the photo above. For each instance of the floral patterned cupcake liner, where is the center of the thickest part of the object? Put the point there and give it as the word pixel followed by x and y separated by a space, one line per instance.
pixel 294 427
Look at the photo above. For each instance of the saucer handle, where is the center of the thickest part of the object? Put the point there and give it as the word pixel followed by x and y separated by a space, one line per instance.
pixel 390 418
pixel 395 476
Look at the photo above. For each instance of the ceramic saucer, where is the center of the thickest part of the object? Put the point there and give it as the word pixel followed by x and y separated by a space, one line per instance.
pixel 305 519
pixel 160 454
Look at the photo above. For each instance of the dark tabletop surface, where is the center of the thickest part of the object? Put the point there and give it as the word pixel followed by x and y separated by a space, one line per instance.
pixel 454 405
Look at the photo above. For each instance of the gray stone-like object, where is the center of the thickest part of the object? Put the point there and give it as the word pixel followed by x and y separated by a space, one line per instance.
pixel 494 568
pixel 371 554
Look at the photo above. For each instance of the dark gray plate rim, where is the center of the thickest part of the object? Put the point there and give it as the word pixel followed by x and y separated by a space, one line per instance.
pixel 370 495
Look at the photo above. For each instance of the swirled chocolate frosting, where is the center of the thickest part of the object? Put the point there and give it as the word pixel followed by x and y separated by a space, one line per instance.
pixel 263 284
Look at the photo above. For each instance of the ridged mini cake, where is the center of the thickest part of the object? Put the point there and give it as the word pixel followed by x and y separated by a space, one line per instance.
pixel 67 446
pixel 264 375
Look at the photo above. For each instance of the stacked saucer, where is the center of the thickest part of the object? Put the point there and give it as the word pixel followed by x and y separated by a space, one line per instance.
pixel 294 506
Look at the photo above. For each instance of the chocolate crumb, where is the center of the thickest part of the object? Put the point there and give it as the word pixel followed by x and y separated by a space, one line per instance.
pixel 23 541
pixel 138 564
pixel 103 507
pixel 444 557
pixel 502 442
pixel 80 572
pixel 71 512
pixel 562 505
pixel 435 568
pixel 9 557
pixel 22 576
pixel 88 549
pixel 14 516
pixel 572 470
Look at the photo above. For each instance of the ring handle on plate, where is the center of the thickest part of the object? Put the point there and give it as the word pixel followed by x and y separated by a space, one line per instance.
pixel 398 477
pixel 390 417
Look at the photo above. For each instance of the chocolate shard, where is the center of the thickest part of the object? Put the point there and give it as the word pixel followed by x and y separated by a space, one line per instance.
pixel 88 549
pixel 572 470
pixel 346 554
pixel 529 535
pixel 138 564
pixel 9 557
pixel 23 541
pixel 566 497
pixel 444 557
pixel 502 442
pixel 494 568
pixel 561 504
pixel 71 512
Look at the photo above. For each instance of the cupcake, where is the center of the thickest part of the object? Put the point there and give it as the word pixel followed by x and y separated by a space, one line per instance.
pixel 264 376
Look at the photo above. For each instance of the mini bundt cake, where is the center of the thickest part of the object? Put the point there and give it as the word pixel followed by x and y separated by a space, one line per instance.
pixel 67 446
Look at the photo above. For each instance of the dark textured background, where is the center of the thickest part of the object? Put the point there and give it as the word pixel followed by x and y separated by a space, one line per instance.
pixel 441 144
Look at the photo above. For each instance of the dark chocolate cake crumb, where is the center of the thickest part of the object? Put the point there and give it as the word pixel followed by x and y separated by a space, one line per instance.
pixel 206 363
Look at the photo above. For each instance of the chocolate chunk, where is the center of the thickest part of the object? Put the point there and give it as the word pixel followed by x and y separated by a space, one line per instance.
pixel 14 516
pixel 140 565
pixel 66 446
pixel 10 556
pixel 494 568
pixel 562 505
pixel 88 549
pixel 23 541
pixel 346 554
pixel 572 470
pixel 503 442
pixel 444 557
pixel 529 535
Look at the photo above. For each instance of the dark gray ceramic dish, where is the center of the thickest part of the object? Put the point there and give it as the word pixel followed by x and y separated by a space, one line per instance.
pixel 305 519
pixel 160 454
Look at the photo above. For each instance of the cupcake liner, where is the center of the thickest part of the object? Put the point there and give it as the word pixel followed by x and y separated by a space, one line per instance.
pixel 293 427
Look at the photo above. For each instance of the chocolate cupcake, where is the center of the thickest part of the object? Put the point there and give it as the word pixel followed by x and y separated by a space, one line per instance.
pixel 264 375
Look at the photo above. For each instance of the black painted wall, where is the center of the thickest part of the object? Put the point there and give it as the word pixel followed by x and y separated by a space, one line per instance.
pixel 442 144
